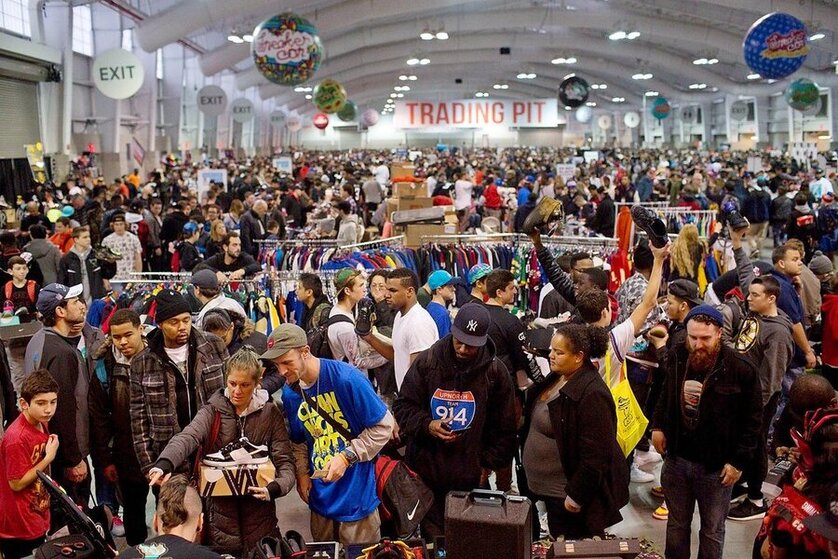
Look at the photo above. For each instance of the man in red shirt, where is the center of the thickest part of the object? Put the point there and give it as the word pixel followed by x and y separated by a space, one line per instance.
pixel 27 448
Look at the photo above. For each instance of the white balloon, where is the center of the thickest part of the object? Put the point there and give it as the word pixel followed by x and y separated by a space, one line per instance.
pixel 604 122
pixel 294 123
pixel 584 114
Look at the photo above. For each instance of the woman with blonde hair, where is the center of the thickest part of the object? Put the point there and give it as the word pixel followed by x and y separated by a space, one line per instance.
pixel 231 220
pixel 688 252
pixel 216 236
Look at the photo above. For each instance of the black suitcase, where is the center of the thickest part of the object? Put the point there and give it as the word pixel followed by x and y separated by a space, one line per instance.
pixel 487 524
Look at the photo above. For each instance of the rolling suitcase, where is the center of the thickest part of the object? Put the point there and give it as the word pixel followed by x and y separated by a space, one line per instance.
pixel 487 524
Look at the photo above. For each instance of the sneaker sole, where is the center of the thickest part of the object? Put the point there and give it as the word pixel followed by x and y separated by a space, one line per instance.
pixel 746 518
pixel 739 499
pixel 225 464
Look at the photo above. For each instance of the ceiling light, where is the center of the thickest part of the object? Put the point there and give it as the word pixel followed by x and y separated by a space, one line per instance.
pixel 599 86
pixel 817 36
pixel 397 88
pixel 412 61
pixel 233 38
pixel 481 94
pixel 753 76
pixel 400 95
pixel 651 94
pixel 698 85
pixel 617 36
pixel 632 35
pixel 642 77
pixel 562 60
pixel 425 61
pixel 594 86
pixel 393 95
pixel 308 96
pixel 526 76
pixel 248 38
pixel 442 35
pixel 700 61
pixel 570 75
pixel 714 89
pixel 405 88
pixel 571 60
pixel 712 61
pixel 590 104
pixel 412 78
pixel 403 77
pixel 558 61
pixel 426 36
pixel 618 100
pixel 567 108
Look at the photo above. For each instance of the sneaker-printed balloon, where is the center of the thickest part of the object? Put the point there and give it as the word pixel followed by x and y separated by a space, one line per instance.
pixel 286 49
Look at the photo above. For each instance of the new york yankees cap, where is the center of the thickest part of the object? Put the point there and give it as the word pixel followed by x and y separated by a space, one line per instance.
pixel 471 325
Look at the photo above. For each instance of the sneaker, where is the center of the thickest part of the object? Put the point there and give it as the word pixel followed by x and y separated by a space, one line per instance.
pixel 237 453
pixel 737 221
pixel 657 491
pixel 661 513
pixel 117 528
pixel 648 221
pixel 547 210
pixel 644 458
pixel 366 316
pixel 740 491
pixel 747 510
pixel 639 476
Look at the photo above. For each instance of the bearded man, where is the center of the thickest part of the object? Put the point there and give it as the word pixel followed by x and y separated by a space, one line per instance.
pixel 706 425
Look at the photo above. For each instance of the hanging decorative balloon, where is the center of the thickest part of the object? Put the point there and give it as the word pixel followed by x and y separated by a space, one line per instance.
pixel 814 108
pixel 286 49
pixel 631 119
pixel 661 108
pixel 573 92
pixel 604 122
pixel 294 123
pixel 369 118
pixel 329 96
pixel 584 114
pixel 348 112
pixel 776 46
pixel 320 121
pixel 802 94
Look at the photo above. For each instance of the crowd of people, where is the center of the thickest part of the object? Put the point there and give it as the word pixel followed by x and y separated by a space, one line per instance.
pixel 435 370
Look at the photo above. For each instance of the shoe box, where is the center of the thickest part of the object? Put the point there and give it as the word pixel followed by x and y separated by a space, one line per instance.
pixel 483 523
pixel 234 481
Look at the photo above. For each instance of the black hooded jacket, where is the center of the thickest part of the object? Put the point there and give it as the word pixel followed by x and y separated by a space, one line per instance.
pixel 485 388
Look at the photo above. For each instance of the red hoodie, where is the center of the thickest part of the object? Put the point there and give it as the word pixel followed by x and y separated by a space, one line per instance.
pixel 829 312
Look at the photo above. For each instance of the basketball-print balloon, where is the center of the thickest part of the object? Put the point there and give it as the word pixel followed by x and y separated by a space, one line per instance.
pixel 348 112
pixel 584 114
pixel 802 94
pixel 661 108
pixel 286 49
pixel 369 118
pixel 776 46
pixel 329 96
pixel 573 92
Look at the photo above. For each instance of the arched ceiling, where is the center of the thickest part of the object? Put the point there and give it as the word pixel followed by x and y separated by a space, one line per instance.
pixel 367 43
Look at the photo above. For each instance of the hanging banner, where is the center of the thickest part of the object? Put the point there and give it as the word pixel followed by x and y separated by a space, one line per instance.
pixel 476 113
pixel 207 175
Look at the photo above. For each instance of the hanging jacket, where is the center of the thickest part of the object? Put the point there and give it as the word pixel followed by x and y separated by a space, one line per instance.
pixel 236 524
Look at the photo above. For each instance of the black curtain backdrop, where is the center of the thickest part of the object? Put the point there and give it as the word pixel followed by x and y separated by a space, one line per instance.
pixel 15 178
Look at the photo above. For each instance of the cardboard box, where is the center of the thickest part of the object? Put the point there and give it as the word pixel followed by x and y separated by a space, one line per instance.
pixel 411 203
pixel 415 232
pixel 408 189
pixel 234 481
pixel 401 170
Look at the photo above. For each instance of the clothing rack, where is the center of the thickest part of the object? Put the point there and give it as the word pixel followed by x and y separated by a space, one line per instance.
pixel 272 243
pixel 398 240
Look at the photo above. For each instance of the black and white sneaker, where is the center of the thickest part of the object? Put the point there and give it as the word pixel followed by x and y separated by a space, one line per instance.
pixel 747 510
pixel 237 453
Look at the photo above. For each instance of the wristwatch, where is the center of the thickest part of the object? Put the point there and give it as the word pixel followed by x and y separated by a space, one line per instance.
pixel 350 455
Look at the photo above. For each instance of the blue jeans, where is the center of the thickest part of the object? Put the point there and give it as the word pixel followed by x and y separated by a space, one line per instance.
pixel 792 374
pixel 684 484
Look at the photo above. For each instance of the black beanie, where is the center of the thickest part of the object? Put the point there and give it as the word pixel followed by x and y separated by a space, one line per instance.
pixel 170 303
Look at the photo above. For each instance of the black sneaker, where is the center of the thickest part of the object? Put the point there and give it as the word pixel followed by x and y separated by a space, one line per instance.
pixel 737 221
pixel 366 316
pixel 740 491
pixel 237 453
pixel 747 510
pixel 648 221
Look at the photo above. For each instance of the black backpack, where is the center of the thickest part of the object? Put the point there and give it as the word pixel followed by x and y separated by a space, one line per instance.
pixel 318 338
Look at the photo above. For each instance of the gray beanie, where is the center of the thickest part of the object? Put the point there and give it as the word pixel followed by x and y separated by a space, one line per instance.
pixel 820 264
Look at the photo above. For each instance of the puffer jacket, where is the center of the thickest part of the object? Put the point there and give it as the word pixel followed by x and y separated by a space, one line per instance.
pixel 110 419
pixel 236 524
pixel 154 417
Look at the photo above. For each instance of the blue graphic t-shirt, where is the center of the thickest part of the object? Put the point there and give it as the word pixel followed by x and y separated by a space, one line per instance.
pixel 349 398
pixel 441 318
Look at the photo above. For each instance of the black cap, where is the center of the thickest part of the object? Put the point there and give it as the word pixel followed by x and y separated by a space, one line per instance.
pixel 686 290
pixel 170 303
pixel 471 325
